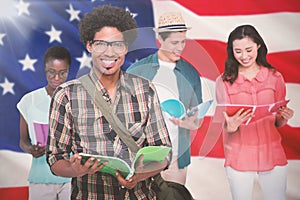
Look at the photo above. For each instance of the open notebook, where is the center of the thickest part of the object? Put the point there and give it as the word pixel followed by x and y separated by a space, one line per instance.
pixel 175 108
pixel 258 111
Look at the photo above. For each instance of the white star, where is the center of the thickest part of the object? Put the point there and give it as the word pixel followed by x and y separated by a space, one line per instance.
pixel 133 14
pixel 96 0
pixel 73 13
pixel 54 34
pixel 7 87
pixel 1 37
pixel 28 63
pixel 85 61
pixel 22 8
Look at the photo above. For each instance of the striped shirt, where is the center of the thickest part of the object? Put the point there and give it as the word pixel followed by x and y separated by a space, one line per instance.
pixel 77 125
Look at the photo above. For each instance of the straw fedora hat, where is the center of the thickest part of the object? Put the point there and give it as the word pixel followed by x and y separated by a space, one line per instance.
pixel 172 21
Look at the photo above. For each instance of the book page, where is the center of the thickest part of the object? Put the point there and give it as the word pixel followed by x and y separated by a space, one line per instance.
pixel 112 164
pixel 151 158
pixel 153 153
pixel 202 109
pixel 175 108
pixel 258 111
pixel 230 109
pixel 149 153
pixel 276 106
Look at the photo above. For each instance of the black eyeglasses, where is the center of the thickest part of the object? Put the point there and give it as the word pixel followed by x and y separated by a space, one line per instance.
pixel 100 46
pixel 61 74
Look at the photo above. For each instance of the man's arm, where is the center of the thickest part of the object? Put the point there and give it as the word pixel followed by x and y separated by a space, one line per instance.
pixel 60 165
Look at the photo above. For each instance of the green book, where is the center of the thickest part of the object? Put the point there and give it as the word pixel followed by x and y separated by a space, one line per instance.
pixel 150 153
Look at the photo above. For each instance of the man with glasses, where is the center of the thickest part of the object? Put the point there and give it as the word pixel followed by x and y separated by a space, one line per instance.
pixel 34 114
pixel 78 125
pixel 101 45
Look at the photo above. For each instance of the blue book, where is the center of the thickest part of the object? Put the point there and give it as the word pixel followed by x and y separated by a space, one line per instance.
pixel 202 109
pixel 175 108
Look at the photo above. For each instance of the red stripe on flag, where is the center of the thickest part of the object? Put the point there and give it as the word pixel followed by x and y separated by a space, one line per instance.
pixel 287 63
pixel 214 142
pixel 290 140
pixel 244 7
pixel 208 57
pixel 19 193
pixel 199 54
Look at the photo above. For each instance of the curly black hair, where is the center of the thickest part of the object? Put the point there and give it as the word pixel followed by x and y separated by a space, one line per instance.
pixel 107 15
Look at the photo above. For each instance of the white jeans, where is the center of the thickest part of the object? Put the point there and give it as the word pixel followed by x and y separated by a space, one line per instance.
pixel 273 183
pixel 49 191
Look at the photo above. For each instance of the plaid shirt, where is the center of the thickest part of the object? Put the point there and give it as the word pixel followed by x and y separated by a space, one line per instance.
pixel 77 125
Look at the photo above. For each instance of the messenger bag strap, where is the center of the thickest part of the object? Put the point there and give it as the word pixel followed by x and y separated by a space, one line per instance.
pixel 106 110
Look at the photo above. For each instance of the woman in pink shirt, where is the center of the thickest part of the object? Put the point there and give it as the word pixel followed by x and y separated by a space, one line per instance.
pixel 253 149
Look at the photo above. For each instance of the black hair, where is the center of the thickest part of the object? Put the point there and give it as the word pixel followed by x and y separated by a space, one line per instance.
pixel 110 16
pixel 231 64
pixel 57 52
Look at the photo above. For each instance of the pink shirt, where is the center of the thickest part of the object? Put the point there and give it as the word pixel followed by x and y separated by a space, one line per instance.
pixel 256 146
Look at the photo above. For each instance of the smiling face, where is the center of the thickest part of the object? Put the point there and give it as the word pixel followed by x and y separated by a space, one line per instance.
pixel 245 52
pixel 108 62
pixel 171 48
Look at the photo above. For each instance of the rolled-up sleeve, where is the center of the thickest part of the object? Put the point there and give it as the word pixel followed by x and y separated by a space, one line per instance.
pixel 60 134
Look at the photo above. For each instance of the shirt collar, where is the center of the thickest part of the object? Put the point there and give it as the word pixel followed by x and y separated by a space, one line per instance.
pixel 122 83
pixel 260 76
pixel 178 63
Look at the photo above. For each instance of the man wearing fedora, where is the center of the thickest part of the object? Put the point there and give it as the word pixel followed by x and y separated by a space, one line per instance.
pixel 174 78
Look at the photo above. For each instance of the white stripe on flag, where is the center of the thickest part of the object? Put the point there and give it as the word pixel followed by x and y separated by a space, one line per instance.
pixel 206 177
pixel 14 169
pixel 280 30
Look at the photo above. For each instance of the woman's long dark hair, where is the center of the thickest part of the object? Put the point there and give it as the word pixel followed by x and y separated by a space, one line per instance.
pixel 231 64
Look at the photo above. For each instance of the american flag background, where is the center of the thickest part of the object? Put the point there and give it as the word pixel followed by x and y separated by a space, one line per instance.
pixel 29 27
